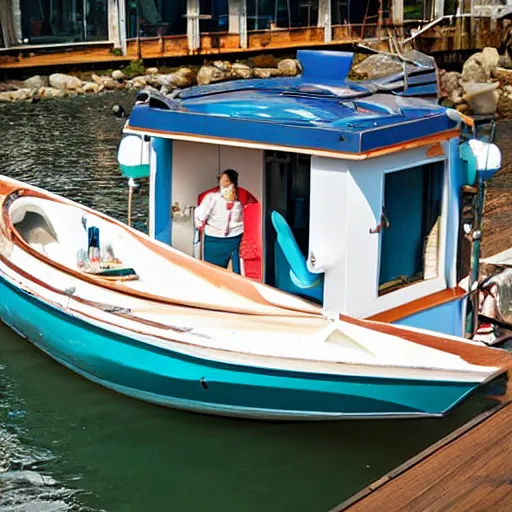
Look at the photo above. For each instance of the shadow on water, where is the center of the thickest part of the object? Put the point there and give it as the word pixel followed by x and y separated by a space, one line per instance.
pixel 67 444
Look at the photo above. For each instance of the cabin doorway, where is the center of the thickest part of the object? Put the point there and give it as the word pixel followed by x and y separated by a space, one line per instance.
pixel 287 186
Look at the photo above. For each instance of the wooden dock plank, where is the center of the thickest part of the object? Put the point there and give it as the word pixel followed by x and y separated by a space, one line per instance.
pixel 470 470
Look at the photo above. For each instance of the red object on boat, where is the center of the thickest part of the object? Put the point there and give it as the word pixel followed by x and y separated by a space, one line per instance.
pixel 251 247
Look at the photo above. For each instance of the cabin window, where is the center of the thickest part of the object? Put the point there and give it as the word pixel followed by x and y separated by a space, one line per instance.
pixel 410 243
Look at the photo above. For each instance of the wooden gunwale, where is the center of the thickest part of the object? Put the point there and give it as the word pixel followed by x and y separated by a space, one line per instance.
pixel 418 305
pixel 205 271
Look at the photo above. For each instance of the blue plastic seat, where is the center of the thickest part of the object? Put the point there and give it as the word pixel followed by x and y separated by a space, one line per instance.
pixel 292 274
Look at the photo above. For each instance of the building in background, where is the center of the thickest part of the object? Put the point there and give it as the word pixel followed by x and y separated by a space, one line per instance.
pixel 103 30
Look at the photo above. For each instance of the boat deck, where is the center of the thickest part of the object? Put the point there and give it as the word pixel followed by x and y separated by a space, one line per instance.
pixel 471 469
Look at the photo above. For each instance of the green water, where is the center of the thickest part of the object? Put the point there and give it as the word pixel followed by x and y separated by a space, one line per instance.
pixel 67 444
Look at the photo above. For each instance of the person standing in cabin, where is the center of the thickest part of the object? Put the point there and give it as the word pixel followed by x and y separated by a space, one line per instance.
pixel 220 214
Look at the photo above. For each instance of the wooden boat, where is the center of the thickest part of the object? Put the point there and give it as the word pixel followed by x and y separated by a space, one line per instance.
pixel 182 333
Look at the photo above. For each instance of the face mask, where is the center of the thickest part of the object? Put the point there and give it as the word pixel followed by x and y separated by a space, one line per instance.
pixel 227 192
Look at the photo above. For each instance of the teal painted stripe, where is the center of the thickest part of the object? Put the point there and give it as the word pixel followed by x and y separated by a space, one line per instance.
pixel 127 362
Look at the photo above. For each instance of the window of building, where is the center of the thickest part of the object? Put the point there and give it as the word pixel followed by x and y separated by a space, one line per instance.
pixel 156 18
pixel 410 243
pixel 64 21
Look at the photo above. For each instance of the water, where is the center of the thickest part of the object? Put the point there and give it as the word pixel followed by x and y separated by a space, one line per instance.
pixel 67 444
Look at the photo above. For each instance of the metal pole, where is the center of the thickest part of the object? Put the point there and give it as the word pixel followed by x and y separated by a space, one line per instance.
pixel 85 19
pixel 139 53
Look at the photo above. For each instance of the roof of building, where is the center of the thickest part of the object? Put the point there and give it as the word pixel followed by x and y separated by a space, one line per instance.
pixel 319 110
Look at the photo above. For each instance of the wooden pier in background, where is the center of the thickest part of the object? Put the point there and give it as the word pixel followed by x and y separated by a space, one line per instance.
pixel 469 470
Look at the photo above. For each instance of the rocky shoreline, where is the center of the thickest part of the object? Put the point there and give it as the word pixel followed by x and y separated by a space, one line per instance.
pixel 483 87
pixel 59 85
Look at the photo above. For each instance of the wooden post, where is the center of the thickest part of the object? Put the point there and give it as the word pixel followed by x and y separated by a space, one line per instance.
pixel 238 20
pixel 234 16
pixel 117 24
pixel 193 33
pixel 324 19
pixel 439 8
pixel 16 20
pixel 397 8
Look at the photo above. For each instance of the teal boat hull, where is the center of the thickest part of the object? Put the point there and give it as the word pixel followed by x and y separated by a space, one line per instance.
pixel 154 374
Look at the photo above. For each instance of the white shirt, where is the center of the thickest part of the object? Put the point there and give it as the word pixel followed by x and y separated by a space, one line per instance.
pixel 220 221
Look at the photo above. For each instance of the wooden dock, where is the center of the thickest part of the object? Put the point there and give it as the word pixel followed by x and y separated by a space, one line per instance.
pixel 469 470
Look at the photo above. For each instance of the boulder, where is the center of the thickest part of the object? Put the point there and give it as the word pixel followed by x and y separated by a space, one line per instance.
pixel 264 61
pixel 265 72
pixel 138 82
pixel 505 102
pixel 289 67
pixel 223 65
pixel 91 87
pixel 152 71
pixel 51 92
pixel 211 74
pixel 118 75
pixel 110 84
pixel 64 82
pixel 184 77
pixel 21 94
pixel 451 87
pixel 504 76
pixel 480 67
pixel 35 82
pixel 96 79
pixel 12 85
pixel 377 66
pixel 5 97
pixel 239 70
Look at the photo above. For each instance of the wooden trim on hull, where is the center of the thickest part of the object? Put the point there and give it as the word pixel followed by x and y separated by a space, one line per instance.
pixel 387 150
pixel 419 305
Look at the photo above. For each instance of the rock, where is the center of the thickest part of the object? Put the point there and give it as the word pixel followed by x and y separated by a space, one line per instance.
pixel 51 92
pixel 241 70
pixel 451 87
pixel 91 87
pixel 184 77
pixel 480 67
pixel 223 65
pixel 5 97
pixel 377 66
pixel 504 76
pixel 505 102
pixel 118 75
pixel 64 82
pixel 264 61
pixel 139 82
pixel 21 94
pixel 152 71
pixel 12 85
pixel 210 74
pixel 289 67
pixel 110 84
pixel 265 72
pixel 96 79
pixel 35 82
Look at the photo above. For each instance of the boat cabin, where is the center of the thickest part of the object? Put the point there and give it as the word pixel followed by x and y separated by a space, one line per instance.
pixel 358 184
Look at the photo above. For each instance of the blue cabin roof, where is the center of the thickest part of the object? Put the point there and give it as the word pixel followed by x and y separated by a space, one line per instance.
pixel 319 110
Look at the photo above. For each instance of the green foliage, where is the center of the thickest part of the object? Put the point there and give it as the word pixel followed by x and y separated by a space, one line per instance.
pixel 135 68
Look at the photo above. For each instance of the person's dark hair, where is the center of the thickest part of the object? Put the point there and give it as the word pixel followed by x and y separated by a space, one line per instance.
pixel 232 175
